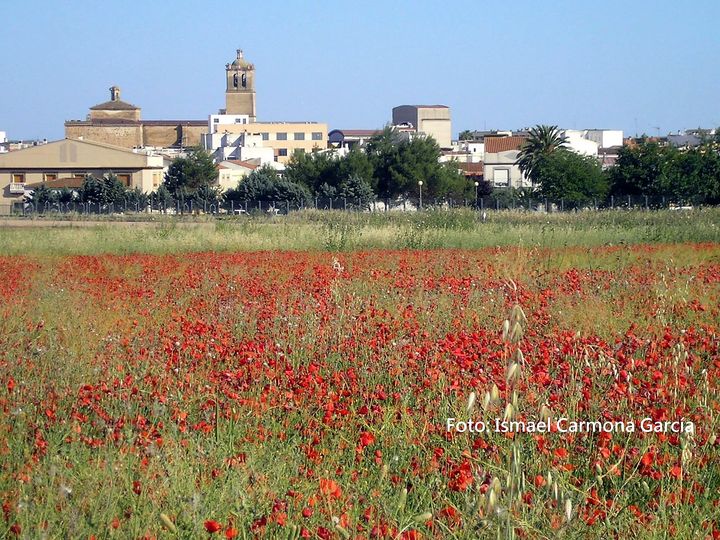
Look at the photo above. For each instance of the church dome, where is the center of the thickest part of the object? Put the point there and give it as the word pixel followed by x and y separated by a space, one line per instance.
pixel 240 61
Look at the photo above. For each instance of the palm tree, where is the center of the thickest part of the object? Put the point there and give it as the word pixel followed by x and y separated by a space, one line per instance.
pixel 543 141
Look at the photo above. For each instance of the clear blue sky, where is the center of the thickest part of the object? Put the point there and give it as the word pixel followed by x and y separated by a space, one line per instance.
pixel 634 65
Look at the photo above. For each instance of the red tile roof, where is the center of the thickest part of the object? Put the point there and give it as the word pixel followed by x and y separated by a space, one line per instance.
pixel 246 164
pixel 59 183
pixel 471 169
pixel 494 145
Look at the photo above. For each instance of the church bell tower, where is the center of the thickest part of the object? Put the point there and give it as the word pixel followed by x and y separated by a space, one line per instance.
pixel 240 89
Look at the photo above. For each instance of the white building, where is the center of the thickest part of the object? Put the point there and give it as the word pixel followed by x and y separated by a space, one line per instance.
pixel 216 120
pixel 237 146
pixel 605 138
pixel 577 142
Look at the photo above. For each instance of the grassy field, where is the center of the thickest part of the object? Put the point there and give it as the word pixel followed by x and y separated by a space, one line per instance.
pixel 340 231
pixel 189 379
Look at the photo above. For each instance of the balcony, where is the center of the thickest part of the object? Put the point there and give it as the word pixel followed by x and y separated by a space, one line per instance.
pixel 17 187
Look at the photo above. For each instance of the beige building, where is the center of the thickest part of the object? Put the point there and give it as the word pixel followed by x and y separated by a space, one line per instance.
pixel 118 123
pixel 500 167
pixel 232 172
pixel 431 120
pixel 63 163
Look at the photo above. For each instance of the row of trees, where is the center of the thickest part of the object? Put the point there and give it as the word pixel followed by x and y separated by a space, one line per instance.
pixel 97 191
pixel 644 169
pixel 390 167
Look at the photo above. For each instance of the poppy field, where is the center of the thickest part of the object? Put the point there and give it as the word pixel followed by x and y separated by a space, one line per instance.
pixel 361 394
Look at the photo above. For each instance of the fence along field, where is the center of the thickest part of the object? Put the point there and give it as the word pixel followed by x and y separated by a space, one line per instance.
pixel 306 393
pixel 232 207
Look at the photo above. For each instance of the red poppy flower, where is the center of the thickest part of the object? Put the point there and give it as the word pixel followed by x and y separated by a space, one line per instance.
pixel 212 526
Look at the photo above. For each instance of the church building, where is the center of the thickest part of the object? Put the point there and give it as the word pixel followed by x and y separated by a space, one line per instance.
pixel 118 122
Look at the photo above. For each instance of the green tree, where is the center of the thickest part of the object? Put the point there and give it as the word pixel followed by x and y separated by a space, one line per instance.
pixel 42 197
pixel 265 185
pixel 135 198
pixel 356 163
pixel 399 164
pixel 692 176
pixel 188 174
pixel 162 197
pixel 356 192
pixel 206 196
pixel 465 135
pixel 542 142
pixel 638 170
pixel 113 190
pixel 576 179
pixel 92 191
pixel 66 195
pixel 313 170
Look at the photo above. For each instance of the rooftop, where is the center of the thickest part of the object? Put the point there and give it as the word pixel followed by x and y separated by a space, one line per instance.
pixel 493 145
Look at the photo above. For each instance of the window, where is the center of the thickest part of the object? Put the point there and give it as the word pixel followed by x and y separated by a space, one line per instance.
pixel 265 136
pixel 157 179
pixel 299 136
pixel 49 177
pixel 501 177
pixel 282 151
pixel 18 178
pixel 281 136
pixel 124 179
pixel 317 136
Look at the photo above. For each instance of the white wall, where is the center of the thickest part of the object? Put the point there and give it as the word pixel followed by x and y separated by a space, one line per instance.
pixel 218 119
pixel 581 145
pixel 605 138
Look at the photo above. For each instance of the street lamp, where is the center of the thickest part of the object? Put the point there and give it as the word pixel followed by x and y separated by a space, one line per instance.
pixel 420 184
pixel 476 193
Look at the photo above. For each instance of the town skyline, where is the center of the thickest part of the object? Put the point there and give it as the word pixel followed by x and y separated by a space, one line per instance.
pixel 643 68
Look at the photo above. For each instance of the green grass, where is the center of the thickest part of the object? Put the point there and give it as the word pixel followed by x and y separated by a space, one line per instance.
pixel 346 231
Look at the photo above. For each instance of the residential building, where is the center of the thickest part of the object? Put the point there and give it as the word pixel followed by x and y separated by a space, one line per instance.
pixel 430 120
pixel 65 163
pixel 500 169
pixel 465 152
pixel 350 138
pixel 576 141
pixel 232 172
pixel 284 138
pixel 119 123
pixel 605 138
pixel 239 146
